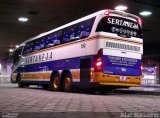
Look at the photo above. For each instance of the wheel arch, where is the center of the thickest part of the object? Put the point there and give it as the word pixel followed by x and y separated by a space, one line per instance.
pixel 17 77
pixel 65 72
pixel 54 72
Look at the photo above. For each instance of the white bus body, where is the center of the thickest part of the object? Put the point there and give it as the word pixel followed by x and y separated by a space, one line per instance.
pixel 91 57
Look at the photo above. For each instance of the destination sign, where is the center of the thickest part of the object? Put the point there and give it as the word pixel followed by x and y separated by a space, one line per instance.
pixel 123 23
pixel 121 26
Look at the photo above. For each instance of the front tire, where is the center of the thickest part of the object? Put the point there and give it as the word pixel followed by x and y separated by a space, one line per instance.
pixel 67 83
pixel 20 84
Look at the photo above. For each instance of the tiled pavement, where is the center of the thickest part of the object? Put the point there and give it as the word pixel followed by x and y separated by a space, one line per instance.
pixel 39 101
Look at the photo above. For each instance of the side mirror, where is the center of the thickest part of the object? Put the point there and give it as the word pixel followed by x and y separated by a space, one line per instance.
pixel 84 34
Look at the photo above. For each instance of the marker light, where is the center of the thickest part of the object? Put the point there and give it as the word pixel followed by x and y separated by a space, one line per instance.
pixel 107 12
pixel 121 8
pixel 141 69
pixel 145 13
pixel 22 19
pixel 139 21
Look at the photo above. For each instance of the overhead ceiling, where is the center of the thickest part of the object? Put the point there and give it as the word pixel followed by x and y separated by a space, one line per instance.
pixel 45 15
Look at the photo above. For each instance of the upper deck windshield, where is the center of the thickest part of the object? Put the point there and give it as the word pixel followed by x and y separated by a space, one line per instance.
pixel 121 26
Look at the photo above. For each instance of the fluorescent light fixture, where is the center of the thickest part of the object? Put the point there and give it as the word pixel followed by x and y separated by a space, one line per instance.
pixel 121 8
pixel 10 50
pixel 17 46
pixel 23 19
pixel 145 13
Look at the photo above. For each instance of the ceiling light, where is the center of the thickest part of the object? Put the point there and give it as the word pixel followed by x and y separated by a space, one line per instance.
pixel 22 19
pixel 10 50
pixel 145 13
pixel 17 46
pixel 121 8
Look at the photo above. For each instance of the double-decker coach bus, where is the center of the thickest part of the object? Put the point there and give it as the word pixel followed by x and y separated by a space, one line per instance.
pixel 101 49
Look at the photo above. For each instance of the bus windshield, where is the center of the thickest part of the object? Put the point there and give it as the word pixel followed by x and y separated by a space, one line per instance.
pixel 16 55
pixel 121 26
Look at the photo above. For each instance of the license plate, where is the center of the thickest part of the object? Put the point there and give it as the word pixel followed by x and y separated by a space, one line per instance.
pixel 122 79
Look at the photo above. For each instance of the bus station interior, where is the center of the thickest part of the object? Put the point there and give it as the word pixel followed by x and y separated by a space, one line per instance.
pixel 46 15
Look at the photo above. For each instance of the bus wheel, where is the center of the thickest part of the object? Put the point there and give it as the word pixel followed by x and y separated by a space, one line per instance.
pixel 20 85
pixel 56 83
pixel 67 83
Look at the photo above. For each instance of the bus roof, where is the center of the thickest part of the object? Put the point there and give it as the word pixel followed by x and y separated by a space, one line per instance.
pixel 77 21
pixel 64 26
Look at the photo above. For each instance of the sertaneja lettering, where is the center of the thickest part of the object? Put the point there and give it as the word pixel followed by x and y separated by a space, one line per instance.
pixel 46 58
pixel 36 59
pixel 39 58
pixel 43 57
pixel 50 57
pixel 30 60
pixel 26 60
pixel 33 59
pixel 123 23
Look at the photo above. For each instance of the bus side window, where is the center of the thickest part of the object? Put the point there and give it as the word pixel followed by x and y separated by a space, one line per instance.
pixel 39 44
pixel 57 38
pixel 42 43
pixel 66 35
pixel 36 46
pixel 70 34
pixel 84 28
pixel 53 39
pixel 73 33
pixel 49 41
pixel 28 48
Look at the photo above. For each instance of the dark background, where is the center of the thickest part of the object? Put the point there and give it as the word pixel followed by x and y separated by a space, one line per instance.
pixel 45 15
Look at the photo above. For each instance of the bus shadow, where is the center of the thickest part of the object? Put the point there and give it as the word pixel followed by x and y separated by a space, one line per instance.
pixel 76 91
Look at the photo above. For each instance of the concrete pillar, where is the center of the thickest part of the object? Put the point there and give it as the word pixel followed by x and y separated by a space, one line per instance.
pixel 5 71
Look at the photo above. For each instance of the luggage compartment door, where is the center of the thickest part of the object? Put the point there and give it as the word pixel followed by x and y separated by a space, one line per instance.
pixel 85 69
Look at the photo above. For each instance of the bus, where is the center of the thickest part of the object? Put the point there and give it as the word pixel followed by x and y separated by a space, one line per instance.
pixel 103 49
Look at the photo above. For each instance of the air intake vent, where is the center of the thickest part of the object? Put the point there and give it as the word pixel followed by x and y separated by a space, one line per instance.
pixel 122 46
